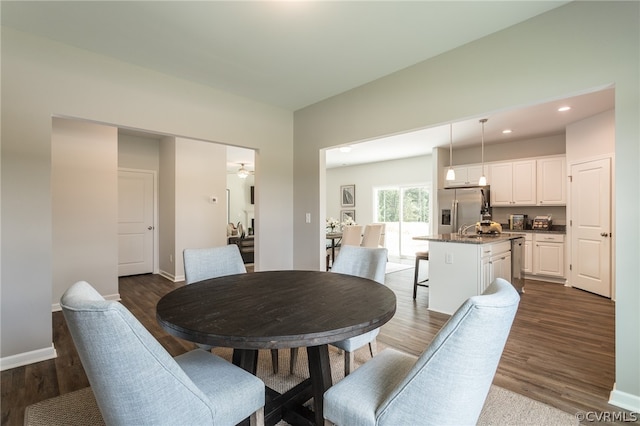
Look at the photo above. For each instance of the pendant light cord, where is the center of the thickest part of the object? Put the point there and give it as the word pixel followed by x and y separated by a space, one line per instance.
pixel 450 145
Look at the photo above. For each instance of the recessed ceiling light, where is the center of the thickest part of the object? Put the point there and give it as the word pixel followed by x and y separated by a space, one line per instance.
pixel 564 108
pixel 345 149
pixel 506 131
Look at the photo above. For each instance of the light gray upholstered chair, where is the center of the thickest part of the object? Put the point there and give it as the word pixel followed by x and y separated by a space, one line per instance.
pixel 204 263
pixel 212 262
pixel 136 381
pixel 361 262
pixel 366 263
pixel 446 385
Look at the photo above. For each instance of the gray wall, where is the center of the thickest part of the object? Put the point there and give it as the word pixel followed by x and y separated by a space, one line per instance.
pixel 42 79
pixel 538 60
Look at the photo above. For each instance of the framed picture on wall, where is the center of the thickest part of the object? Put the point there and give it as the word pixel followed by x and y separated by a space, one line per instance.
pixel 345 215
pixel 348 195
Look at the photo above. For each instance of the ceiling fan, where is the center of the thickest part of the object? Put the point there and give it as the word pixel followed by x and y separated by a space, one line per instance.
pixel 243 173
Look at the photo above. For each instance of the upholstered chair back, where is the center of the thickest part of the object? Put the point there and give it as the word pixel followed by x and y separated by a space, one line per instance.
pixel 204 263
pixel 362 262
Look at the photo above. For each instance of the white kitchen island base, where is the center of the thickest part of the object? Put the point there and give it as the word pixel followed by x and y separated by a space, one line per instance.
pixel 462 267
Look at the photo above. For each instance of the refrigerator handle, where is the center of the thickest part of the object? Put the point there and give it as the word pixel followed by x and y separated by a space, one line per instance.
pixel 454 214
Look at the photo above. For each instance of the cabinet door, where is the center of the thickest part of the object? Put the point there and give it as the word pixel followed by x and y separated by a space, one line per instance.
pixel 465 175
pixel 552 181
pixel 524 183
pixel 528 256
pixel 487 274
pixel 474 173
pixel 461 176
pixel 501 265
pixel 549 259
pixel 501 184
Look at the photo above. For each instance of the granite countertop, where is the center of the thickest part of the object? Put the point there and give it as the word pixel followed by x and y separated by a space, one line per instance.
pixel 472 238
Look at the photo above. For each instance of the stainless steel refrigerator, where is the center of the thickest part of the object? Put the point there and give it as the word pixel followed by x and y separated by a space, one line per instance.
pixel 461 207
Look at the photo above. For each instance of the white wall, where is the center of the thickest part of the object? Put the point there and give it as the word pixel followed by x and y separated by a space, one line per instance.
pixel 167 208
pixel 593 137
pixel 366 177
pixel 138 153
pixel 84 183
pixel 42 79
pixel 538 60
pixel 536 147
pixel 201 172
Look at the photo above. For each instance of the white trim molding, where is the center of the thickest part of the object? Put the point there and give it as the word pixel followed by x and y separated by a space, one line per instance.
pixel 26 358
pixel 624 400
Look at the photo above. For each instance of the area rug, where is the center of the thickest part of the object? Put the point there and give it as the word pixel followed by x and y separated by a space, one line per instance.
pixel 502 407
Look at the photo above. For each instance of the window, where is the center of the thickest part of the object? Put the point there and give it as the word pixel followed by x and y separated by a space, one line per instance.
pixel 405 211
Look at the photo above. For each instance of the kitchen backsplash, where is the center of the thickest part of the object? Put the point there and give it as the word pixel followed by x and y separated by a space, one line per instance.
pixel 558 214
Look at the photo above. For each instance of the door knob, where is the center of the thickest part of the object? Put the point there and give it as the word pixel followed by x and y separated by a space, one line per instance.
pixel 150 228
pixel 604 234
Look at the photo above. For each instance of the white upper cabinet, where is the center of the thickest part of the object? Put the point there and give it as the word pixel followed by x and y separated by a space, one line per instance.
pixel 540 181
pixel 501 183
pixel 513 183
pixel 466 175
pixel 524 183
pixel 552 181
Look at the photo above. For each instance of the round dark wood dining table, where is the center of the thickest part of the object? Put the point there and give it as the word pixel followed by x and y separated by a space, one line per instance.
pixel 275 310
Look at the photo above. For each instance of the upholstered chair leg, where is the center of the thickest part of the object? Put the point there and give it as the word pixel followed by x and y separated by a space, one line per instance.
pixel 348 362
pixel 257 418
pixel 373 347
pixel 274 360
pixel 293 360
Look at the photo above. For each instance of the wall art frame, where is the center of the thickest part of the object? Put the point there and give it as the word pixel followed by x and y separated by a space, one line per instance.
pixel 348 195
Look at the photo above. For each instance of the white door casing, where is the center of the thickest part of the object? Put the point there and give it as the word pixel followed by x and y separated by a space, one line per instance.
pixel 591 226
pixel 135 222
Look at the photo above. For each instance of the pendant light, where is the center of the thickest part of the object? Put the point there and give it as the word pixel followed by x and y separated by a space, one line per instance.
pixel 451 174
pixel 483 178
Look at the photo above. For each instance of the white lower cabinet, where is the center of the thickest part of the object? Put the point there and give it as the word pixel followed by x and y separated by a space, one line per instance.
pixel 528 253
pixel 548 255
pixel 495 263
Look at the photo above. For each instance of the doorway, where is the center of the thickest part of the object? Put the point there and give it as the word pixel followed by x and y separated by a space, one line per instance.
pixel 136 221
pixel 405 210
pixel 591 233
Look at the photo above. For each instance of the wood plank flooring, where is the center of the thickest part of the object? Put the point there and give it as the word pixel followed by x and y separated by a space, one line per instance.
pixel 560 350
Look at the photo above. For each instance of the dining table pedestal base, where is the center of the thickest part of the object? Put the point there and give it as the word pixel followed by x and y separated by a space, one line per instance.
pixel 289 406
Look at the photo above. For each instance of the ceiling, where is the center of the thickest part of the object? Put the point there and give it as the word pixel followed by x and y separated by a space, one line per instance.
pixel 530 122
pixel 291 54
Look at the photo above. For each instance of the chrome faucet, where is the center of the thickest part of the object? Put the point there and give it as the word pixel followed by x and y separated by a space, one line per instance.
pixel 464 228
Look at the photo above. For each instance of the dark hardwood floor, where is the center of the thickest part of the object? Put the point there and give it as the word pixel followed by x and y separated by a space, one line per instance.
pixel 560 350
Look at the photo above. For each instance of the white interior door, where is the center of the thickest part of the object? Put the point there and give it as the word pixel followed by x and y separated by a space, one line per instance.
pixel 135 222
pixel 591 226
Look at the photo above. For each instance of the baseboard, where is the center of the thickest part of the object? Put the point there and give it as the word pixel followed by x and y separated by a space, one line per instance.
pixel 56 306
pixel 171 277
pixel 624 400
pixel 26 358
pixel 554 280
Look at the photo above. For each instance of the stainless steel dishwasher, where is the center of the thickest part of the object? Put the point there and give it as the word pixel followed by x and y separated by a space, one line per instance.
pixel 517 263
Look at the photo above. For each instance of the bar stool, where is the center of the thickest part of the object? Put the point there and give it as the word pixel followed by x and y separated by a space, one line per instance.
pixel 421 255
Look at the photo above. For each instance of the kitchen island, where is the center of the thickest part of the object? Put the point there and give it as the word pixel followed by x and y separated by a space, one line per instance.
pixel 463 266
